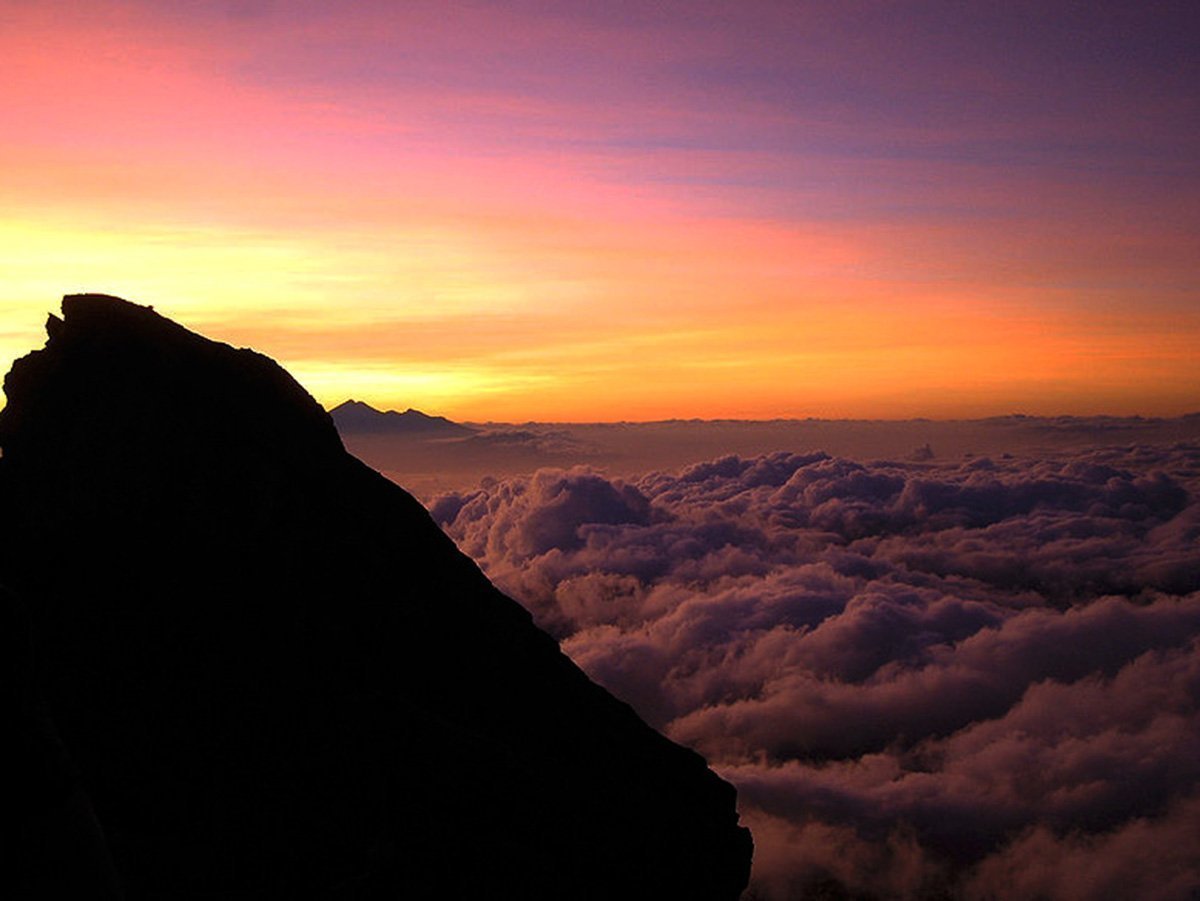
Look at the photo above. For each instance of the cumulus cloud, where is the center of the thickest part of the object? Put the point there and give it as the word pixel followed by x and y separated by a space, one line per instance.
pixel 976 679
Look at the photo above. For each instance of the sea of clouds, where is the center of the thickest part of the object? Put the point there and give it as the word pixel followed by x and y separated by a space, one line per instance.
pixel 977 679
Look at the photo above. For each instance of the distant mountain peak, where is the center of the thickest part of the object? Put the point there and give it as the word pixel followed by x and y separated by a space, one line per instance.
pixel 359 418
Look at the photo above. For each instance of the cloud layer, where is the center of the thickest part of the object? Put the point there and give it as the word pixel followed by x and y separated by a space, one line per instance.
pixel 980 678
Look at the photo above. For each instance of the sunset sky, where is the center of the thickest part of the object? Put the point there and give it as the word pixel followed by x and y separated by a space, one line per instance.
pixel 626 210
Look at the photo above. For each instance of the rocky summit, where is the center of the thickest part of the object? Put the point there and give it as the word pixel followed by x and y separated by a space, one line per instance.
pixel 242 664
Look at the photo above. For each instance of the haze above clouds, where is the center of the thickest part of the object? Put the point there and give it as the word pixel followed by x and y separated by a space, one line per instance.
pixel 427 467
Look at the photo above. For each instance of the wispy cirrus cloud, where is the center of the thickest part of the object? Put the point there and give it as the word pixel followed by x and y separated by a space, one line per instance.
pixel 1014 187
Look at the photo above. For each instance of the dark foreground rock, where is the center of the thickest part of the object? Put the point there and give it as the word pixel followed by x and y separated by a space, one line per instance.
pixel 273 676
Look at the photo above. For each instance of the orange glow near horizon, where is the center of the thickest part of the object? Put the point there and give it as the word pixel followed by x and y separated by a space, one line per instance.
pixel 510 247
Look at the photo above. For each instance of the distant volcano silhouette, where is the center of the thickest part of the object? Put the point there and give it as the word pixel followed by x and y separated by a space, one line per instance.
pixel 354 416
pixel 274 677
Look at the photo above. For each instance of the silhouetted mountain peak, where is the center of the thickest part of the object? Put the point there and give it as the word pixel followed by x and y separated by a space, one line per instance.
pixel 275 675
pixel 149 375
pixel 354 406
pixel 356 417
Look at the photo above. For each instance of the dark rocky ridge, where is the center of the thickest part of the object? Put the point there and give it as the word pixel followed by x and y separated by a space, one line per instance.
pixel 277 678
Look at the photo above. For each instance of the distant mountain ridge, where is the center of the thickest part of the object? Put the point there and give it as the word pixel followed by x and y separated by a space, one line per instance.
pixel 355 417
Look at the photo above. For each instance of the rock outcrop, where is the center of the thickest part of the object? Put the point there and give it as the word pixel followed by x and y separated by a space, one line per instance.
pixel 273 676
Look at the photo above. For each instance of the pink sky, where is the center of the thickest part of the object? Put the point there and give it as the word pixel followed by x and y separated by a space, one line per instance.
pixel 563 211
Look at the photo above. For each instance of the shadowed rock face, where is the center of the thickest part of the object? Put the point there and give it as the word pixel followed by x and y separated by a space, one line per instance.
pixel 275 675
